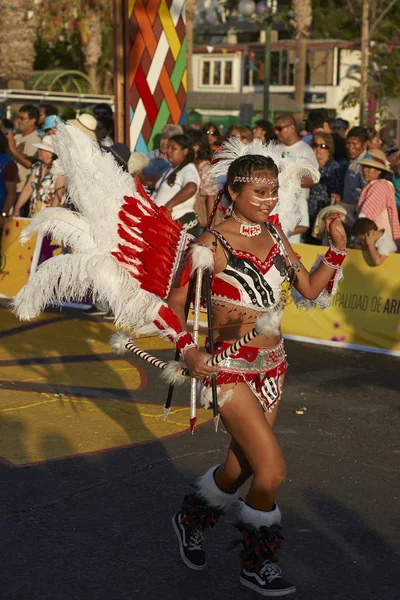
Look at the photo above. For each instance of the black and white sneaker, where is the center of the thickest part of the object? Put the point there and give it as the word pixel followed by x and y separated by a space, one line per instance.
pixel 269 582
pixel 190 544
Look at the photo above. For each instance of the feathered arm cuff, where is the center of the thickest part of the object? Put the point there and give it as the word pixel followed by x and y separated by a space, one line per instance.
pixel 334 259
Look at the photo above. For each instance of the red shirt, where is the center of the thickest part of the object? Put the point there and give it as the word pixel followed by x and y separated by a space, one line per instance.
pixel 10 172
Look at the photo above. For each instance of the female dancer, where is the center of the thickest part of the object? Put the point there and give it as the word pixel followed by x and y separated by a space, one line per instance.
pixel 252 260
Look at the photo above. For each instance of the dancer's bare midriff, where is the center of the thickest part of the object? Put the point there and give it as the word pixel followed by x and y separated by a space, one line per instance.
pixel 231 322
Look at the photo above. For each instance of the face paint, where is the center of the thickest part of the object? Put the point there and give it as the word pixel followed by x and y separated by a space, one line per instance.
pixel 262 200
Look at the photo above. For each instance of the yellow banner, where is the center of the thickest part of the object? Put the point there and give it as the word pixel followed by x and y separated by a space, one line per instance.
pixel 365 312
pixel 16 260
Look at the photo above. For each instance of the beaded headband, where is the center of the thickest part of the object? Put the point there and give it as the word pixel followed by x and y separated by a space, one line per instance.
pixel 255 180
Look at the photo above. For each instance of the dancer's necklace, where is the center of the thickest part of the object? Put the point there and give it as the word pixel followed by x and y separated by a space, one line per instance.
pixel 247 229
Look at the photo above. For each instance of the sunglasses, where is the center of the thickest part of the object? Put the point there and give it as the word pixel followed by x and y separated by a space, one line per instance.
pixel 323 146
pixel 280 128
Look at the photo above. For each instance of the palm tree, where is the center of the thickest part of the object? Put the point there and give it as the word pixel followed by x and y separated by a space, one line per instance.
pixel 302 21
pixel 17 41
pixel 62 17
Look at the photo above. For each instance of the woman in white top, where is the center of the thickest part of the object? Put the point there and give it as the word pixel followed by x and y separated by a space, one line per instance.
pixel 177 188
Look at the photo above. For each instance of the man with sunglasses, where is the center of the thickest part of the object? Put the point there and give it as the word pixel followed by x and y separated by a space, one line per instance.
pixel 293 146
pixel 22 146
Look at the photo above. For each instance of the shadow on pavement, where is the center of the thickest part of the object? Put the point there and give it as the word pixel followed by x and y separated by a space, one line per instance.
pixel 47 375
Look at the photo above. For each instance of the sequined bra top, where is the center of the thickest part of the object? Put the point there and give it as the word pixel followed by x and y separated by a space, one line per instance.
pixel 248 281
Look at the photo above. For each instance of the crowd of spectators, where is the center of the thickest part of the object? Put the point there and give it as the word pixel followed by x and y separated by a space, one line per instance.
pixel 360 177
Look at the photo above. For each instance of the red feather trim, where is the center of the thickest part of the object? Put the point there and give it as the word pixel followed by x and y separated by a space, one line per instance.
pixel 154 249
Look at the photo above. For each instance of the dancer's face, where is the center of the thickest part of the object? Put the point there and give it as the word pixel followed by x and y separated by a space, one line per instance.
pixel 256 201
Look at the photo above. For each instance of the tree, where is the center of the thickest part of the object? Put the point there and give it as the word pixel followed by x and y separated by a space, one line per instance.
pixel 17 40
pixel 383 65
pixel 302 22
pixel 66 18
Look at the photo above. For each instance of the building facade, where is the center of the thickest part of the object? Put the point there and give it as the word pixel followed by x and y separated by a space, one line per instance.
pixel 227 76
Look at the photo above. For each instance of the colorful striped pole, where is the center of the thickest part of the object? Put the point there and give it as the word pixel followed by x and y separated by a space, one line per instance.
pixel 152 360
pixel 218 358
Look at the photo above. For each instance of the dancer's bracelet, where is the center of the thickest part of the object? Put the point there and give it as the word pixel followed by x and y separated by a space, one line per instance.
pixel 183 342
pixel 334 257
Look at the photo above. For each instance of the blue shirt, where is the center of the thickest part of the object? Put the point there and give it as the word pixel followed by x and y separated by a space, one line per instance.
pixel 353 181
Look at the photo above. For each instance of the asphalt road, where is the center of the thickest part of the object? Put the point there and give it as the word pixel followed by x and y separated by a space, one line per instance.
pixel 98 527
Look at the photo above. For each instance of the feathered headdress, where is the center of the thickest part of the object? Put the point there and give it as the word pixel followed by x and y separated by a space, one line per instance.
pixel 125 249
pixel 290 173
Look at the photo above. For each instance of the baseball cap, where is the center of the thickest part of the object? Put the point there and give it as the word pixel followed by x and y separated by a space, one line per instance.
pixel 51 122
pixel 157 166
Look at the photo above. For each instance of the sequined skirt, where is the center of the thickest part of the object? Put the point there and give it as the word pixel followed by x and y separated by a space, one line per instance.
pixel 262 369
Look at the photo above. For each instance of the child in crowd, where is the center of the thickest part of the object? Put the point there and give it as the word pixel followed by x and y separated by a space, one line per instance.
pixel 377 241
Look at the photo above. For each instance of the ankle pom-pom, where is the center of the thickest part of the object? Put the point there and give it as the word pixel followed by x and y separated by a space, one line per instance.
pixel 196 512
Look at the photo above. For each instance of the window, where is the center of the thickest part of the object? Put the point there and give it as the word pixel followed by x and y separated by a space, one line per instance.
pixel 216 72
pixel 205 71
pixel 319 68
pixel 228 73
pixel 254 68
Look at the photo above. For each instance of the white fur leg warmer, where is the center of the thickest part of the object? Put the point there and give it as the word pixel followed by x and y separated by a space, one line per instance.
pixel 259 518
pixel 209 491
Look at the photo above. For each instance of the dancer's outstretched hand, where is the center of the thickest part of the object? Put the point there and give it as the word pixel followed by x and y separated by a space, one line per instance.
pixel 334 227
pixel 197 363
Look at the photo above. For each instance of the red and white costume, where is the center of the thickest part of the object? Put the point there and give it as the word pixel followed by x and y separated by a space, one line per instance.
pixel 126 251
pixel 250 283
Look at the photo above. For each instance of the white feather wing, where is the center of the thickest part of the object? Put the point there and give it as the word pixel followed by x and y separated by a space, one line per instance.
pixel 97 186
pixel 95 182
pixel 63 225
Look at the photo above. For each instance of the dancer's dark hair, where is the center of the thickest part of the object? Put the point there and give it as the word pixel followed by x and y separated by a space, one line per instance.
pixel 184 142
pixel 248 166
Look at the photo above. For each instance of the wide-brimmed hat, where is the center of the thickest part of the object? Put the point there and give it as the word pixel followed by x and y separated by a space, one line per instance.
pixel 376 159
pixel 46 144
pixel 121 154
pixel 86 123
